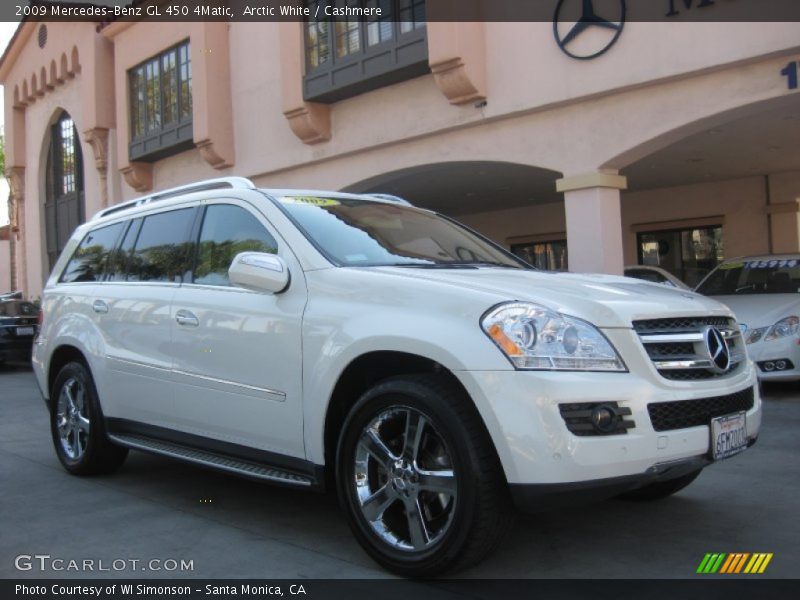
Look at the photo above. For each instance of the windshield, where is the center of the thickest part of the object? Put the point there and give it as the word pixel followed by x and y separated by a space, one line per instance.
pixel 354 233
pixel 753 277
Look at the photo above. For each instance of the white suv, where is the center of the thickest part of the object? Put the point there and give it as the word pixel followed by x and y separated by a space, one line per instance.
pixel 315 339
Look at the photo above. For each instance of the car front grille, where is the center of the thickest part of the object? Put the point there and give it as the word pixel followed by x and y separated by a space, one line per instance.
pixel 667 416
pixel 678 349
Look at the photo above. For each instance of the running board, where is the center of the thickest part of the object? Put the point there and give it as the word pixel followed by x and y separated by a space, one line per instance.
pixel 210 459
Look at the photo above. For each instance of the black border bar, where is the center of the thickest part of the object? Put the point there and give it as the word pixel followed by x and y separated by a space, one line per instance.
pixel 667 11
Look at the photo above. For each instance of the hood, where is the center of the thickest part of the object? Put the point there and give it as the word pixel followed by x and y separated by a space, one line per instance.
pixel 603 300
pixel 762 310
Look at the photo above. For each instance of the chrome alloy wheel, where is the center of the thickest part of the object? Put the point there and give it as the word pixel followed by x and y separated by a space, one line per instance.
pixel 404 480
pixel 71 421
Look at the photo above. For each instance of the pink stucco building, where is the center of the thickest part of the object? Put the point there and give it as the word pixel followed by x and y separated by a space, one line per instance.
pixel 677 146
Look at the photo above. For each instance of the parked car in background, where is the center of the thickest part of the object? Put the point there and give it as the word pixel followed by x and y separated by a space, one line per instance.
pixel 18 322
pixel 764 293
pixel 11 296
pixel 654 275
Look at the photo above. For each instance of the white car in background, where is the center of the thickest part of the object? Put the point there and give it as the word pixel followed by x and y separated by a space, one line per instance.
pixel 764 292
pixel 654 275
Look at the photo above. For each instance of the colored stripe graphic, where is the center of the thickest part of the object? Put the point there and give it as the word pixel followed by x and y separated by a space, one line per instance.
pixel 728 563
pixel 711 563
pixel 703 563
pixel 734 563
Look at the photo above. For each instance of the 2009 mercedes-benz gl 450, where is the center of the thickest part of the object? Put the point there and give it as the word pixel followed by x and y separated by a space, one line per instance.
pixel 314 339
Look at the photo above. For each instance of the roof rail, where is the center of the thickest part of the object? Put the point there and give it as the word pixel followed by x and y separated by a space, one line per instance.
pixel 241 183
pixel 391 198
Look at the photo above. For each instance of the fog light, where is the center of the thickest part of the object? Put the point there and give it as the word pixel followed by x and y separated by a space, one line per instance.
pixel 769 366
pixel 780 365
pixel 604 418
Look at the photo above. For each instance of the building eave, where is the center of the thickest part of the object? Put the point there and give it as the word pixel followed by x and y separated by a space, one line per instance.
pixel 18 40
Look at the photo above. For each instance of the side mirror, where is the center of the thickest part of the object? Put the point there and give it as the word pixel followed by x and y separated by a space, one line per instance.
pixel 260 272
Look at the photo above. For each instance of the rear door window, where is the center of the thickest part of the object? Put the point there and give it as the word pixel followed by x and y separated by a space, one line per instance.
pixel 89 260
pixel 162 251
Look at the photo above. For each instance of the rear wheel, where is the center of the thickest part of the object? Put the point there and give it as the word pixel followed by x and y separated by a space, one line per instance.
pixel 419 479
pixel 661 489
pixel 76 424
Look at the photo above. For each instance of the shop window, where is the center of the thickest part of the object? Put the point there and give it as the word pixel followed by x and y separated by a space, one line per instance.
pixel 549 256
pixel 688 253
pixel 346 56
pixel 161 105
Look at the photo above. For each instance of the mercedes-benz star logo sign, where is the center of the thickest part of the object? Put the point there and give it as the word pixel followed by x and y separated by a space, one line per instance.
pixel 591 35
pixel 718 350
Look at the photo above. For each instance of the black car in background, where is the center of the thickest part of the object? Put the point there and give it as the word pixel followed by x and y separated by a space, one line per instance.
pixel 18 323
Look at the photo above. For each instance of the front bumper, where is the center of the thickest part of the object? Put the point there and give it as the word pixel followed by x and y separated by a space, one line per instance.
pixel 782 349
pixel 521 412
pixel 532 497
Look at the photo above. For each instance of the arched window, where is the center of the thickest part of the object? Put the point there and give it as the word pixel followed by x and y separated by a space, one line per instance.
pixel 64 199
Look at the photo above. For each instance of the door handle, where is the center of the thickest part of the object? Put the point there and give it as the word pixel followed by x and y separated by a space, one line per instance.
pixel 186 318
pixel 100 307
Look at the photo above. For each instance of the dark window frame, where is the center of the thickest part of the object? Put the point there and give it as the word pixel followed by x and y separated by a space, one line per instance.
pixel 64 192
pixel 683 275
pixel 519 246
pixel 149 144
pixel 403 56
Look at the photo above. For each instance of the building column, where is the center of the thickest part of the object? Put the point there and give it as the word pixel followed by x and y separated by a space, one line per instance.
pixel 594 221
pixel 16 178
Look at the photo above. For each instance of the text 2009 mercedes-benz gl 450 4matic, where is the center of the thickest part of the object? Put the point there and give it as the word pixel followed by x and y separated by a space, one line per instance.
pixel 324 340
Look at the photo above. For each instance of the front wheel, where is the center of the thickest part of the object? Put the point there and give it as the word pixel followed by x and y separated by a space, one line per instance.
pixel 419 478
pixel 76 424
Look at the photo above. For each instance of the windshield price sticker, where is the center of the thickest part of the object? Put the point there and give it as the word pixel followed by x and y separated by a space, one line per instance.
pixel 766 264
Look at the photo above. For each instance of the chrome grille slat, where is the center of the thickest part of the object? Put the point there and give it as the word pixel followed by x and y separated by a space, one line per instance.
pixel 683 337
pixel 677 346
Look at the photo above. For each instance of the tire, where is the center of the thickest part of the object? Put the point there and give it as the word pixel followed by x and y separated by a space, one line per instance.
pixel 385 484
pixel 77 426
pixel 660 489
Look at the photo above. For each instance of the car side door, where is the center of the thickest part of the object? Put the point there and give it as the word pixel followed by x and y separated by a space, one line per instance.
pixel 238 366
pixel 132 310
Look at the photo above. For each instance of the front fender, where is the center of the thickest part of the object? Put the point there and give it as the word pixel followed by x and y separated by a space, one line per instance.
pixel 456 343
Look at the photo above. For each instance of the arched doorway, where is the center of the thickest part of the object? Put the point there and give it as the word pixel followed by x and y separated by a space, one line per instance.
pixel 64 205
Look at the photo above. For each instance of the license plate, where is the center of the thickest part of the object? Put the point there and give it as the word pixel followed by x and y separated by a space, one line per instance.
pixel 728 435
pixel 24 331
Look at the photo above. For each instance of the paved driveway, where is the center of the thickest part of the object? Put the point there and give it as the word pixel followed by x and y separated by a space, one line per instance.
pixel 155 508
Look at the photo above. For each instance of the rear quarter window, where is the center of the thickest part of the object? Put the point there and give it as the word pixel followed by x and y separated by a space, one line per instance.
pixel 89 260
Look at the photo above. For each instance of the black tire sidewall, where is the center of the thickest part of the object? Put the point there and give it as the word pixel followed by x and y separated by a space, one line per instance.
pixel 77 371
pixel 407 393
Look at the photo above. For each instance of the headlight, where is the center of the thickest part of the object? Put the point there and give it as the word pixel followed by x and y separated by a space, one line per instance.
pixel 535 337
pixel 755 335
pixel 784 328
